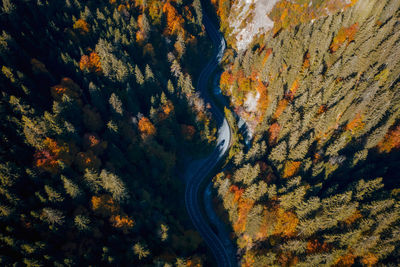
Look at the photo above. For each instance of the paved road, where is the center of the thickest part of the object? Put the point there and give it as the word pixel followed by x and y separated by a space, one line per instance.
pixel 201 169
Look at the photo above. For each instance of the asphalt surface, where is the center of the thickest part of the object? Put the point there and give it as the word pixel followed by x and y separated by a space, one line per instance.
pixel 198 171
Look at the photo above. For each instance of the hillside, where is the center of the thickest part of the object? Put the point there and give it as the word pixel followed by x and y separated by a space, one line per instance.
pixel 318 185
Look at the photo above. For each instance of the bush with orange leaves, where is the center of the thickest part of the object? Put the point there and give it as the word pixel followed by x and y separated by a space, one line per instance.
pixel 90 63
pixel 390 141
pixel 82 26
pixel 291 168
pixel 50 157
pixel 344 34
pixel 356 124
pixel 273 132
pixel 146 128
pixel 174 20
pixel 123 222
pixel 370 260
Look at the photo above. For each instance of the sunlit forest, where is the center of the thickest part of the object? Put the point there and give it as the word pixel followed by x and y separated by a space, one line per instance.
pixel 98 109
pixel 318 185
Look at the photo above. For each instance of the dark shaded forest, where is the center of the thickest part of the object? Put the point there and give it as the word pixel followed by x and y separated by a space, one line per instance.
pixel 98 109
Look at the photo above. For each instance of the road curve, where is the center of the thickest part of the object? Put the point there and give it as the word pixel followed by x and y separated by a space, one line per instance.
pixel 196 173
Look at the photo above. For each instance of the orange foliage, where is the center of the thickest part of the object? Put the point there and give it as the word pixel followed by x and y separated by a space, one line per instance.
pixel 356 215
pixel 82 26
pixel 277 221
pixel 244 207
pixel 146 128
pixel 370 260
pixel 91 140
pixel 226 81
pixel 267 54
pixel 322 109
pixel 122 222
pixel 273 131
pixel 293 89
pixel 281 107
pixel 345 260
pixel 317 157
pixel 390 141
pixel 90 63
pixel 314 246
pixel 104 205
pixel 49 158
pixel 356 124
pixel 188 131
pixel 174 20
pixel 286 223
pixel 291 168
pixel 306 61
pixel 194 262
pixel 263 101
pixel 66 87
pixel 344 34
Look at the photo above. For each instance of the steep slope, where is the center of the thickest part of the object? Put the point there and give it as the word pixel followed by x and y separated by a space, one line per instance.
pixel 319 183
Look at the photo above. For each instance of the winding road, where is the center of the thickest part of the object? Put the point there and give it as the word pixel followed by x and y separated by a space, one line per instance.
pixel 198 171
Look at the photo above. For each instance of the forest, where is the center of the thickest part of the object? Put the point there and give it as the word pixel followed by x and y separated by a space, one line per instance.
pixel 319 183
pixel 98 115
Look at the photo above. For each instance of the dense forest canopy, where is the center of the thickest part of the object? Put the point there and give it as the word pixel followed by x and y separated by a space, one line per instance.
pixel 319 183
pixel 100 117
pixel 98 109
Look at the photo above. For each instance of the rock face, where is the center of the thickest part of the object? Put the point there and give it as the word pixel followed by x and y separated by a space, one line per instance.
pixel 249 18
